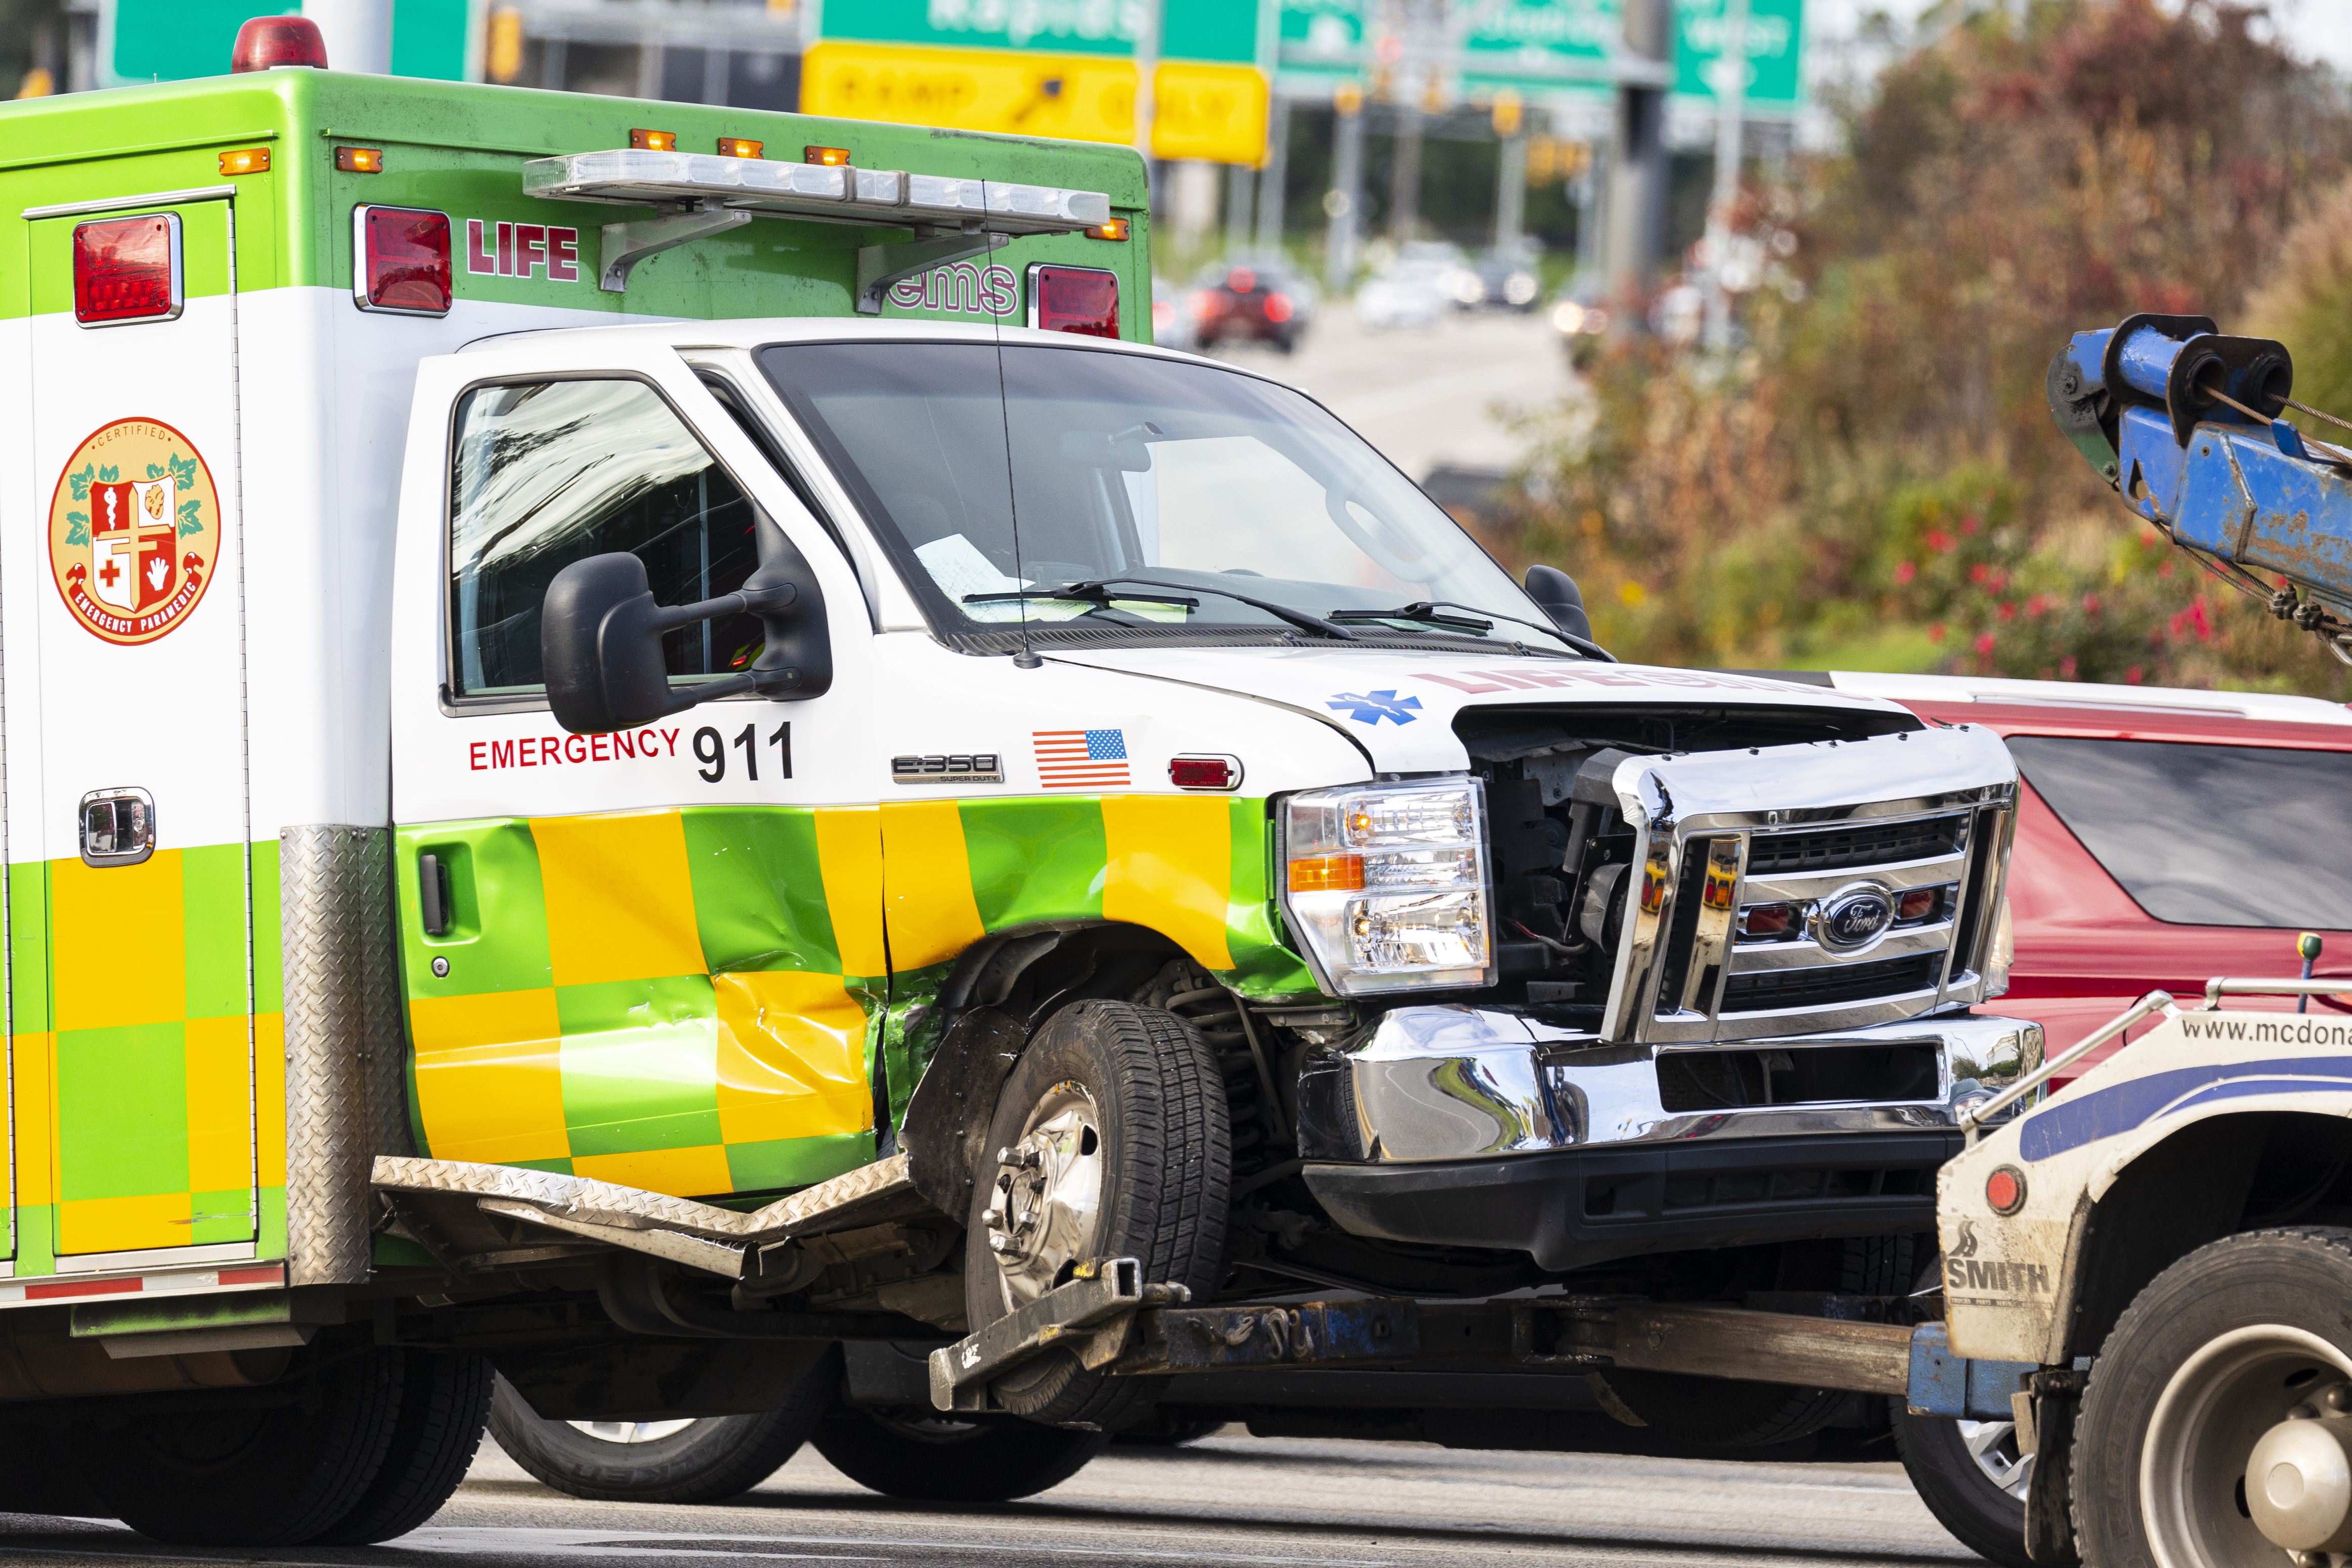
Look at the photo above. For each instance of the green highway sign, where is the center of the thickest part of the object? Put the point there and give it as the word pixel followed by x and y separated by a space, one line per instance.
pixel 1221 30
pixel 1776 36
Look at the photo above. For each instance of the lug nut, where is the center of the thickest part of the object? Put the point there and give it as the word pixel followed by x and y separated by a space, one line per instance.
pixel 999 1243
pixel 2338 1398
pixel 1004 1155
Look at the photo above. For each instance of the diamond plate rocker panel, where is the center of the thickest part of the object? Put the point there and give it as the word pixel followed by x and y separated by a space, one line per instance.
pixel 345 1097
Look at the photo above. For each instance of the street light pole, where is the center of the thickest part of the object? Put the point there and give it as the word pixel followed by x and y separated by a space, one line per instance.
pixel 1346 199
pixel 1636 230
pixel 1731 104
pixel 358 33
pixel 1147 71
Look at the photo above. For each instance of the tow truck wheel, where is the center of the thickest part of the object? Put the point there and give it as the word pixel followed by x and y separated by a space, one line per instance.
pixel 687 1461
pixel 1109 1140
pixel 921 1455
pixel 2217 1427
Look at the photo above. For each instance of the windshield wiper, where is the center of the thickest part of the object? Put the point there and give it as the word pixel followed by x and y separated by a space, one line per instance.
pixel 1426 614
pixel 1096 590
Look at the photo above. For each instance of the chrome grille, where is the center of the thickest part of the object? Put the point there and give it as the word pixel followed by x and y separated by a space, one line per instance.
pixel 1837 874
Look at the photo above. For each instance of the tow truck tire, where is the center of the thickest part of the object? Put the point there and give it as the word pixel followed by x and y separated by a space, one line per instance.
pixel 444 1400
pixel 1938 1456
pixel 1124 1111
pixel 707 1461
pixel 923 1456
pixel 273 1475
pixel 2231 1343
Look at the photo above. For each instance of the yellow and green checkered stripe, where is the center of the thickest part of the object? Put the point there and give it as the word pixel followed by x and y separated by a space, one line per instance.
pixel 693 1001
pixel 146 1104
pixel 664 999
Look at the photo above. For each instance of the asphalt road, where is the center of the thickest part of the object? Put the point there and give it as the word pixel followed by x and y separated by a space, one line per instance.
pixel 1426 397
pixel 1227 1500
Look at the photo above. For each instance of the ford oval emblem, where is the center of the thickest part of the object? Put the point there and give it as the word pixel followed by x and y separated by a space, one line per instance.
pixel 1854 918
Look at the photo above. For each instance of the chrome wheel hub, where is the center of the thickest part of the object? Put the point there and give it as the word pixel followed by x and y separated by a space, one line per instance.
pixel 1043 1216
pixel 2248 1458
pixel 1993 1446
pixel 630 1431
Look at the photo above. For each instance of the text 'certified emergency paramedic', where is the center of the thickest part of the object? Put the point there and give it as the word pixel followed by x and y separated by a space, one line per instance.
pixel 134 530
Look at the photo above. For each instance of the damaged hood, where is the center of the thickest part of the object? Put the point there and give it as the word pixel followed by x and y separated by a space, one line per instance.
pixel 1399 705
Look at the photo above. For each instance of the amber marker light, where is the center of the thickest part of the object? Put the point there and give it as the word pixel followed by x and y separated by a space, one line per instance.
pixel 736 147
pixel 1327 874
pixel 831 157
pixel 1114 229
pixel 360 160
pixel 653 141
pixel 250 161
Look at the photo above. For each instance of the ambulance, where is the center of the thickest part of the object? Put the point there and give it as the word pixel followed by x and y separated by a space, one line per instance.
pixel 653 760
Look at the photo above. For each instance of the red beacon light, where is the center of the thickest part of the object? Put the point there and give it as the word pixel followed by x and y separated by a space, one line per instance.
pixel 265 43
pixel 1082 300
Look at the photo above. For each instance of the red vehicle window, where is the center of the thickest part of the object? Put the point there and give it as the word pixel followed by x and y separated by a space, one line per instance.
pixel 2206 835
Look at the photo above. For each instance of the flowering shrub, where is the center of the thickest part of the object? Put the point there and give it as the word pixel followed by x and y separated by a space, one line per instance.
pixel 1875 481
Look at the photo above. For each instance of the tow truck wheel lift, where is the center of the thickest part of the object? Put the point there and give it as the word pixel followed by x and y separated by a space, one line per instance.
pixel 1112 1321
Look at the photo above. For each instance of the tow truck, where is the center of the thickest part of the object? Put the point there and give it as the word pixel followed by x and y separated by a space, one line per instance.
pixel 653 758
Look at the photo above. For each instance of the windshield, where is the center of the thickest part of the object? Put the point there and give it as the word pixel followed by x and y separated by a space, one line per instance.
pixel 1205 480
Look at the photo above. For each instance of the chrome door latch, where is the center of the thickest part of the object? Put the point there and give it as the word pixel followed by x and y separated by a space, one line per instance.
pixel 118 826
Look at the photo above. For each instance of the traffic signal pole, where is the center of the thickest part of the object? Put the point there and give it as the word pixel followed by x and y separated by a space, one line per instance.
pixel 1637 233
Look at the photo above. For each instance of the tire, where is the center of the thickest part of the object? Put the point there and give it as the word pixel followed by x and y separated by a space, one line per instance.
pixel 696 1461
pixel 923 1456
pixel 2211 1357
pixel 1119 1112
pixel 1971 1477
pixel 444 1402
pixel 270 1477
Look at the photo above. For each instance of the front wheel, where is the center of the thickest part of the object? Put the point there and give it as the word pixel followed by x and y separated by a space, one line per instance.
pixel 1971 1477
pixel 1109 1140
pixel 2216 1430
pixel 929 1457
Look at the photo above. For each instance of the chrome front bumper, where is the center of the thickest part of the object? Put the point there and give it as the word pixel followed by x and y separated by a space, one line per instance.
pixel 1470 1083
pixel 1476 1127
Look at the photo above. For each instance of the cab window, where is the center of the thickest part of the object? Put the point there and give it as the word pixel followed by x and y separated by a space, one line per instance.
pixel 549 472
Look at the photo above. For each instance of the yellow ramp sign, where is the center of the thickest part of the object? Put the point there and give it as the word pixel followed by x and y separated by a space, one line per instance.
pixel 1205 110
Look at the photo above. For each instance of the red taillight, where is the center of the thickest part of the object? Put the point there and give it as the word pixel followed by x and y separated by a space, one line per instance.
pixel 1083 299
pixel 265 43
pixel 1204 773
pixel 1277 307
pixel 1241 281
pixel 401 260
pixel 127 269
pixel 2005 1190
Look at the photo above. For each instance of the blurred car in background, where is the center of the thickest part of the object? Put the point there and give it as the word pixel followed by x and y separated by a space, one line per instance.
pixel 1426 279
pixel 1172 322
pixel 1258 302
pixel 1583 325
pixel 1500 280
pixel 2163 837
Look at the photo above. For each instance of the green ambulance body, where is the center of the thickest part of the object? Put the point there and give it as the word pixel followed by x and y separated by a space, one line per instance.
pixel 647 745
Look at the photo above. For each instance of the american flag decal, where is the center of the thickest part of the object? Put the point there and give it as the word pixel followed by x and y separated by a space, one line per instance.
pixel 1081 759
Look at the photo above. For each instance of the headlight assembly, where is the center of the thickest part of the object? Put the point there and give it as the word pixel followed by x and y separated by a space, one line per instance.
pixel 1386 884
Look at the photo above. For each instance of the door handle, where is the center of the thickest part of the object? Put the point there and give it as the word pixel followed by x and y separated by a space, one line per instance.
pixel 118 826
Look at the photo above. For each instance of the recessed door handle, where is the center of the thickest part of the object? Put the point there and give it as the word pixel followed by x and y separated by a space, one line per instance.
pixel 116 825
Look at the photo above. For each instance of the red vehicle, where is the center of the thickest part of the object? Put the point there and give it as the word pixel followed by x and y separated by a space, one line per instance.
pixel 2163 837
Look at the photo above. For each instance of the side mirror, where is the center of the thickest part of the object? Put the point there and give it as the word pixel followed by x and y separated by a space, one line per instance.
pixel 600 636
pixel 1556 590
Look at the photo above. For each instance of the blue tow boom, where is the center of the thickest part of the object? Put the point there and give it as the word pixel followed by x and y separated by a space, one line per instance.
pixel 2185 422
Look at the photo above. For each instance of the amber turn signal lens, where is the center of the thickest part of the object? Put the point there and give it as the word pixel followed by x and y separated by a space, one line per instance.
pixel 654 140
pixel 360 160
pixel 736 147
pixel 251 160
pixel 1114 229
pixel 1327 874
pixel 831 157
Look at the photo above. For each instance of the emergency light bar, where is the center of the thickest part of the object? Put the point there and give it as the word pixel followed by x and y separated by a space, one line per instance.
pixel 637 178
pixel 711 193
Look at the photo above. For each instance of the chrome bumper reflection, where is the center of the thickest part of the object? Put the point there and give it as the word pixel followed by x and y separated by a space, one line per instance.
pixel 1457 1082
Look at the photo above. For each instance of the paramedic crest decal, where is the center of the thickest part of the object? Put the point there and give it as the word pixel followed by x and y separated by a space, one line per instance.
pixel 134 530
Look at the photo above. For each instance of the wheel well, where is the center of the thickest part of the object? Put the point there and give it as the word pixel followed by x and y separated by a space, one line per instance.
pixel 2214 1178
